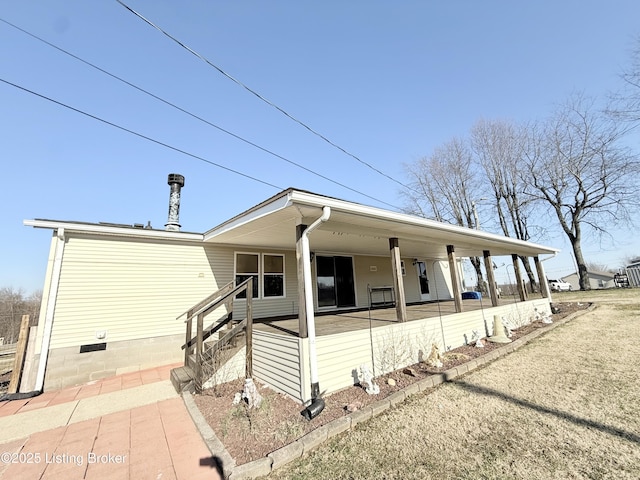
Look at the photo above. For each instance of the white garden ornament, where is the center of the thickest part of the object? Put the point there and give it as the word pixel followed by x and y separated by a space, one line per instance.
pixel 366 378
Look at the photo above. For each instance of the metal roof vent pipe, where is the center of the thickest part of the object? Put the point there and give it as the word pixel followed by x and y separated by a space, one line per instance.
pixel 176 181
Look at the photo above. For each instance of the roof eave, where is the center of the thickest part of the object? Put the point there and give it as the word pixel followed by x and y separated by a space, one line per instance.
pixel 112 230
pixel 315 200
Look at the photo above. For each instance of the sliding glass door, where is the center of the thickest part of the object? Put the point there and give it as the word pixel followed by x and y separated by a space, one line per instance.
pixel 335 281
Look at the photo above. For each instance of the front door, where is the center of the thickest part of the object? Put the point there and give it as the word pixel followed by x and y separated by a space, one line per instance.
pixel 423 280
pixel 335 281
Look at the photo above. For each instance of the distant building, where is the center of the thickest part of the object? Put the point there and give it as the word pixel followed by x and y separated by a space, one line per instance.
pixel 633 273
pixel 596 280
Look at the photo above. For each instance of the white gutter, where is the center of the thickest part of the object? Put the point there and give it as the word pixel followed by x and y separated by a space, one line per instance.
pixel 51 306
pixel 315 200
pixel 553 255
pixel 308 297
pixel 112 230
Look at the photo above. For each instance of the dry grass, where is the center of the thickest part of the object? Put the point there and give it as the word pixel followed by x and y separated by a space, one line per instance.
pixel 565 406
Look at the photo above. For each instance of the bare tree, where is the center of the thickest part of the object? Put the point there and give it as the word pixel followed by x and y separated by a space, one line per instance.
pixel 626 103
pixel 444 186
pixel 499 147
pixel 13 305
pixel 577 167
pixel 33 303
pixel 599 267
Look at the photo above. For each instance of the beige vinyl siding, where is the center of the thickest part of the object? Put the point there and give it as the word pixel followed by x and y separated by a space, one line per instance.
pixel 440 285
pixel 339 358
pixel 377 272
pixel 364 273
pixel 276 362
pixel 442 278
pixel 129 288
pixel 398 345
pixel 410 280
pixel 133 288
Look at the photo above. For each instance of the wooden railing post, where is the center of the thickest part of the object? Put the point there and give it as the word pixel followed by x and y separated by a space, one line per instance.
pixel 249 331
pixel 188 349
pixel 199 351
pixel 14 383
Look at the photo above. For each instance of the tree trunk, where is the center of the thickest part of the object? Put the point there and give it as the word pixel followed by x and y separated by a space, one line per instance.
pixel 583 276
pixel 475 261
pixel 532 278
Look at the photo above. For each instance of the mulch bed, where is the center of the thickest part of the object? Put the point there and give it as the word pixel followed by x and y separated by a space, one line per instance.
pixel 252 434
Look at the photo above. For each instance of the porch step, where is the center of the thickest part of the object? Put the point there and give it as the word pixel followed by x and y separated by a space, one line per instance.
pixel 182 379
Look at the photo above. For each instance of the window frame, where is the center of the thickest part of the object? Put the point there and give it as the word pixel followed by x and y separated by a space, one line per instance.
pixel 264 274
pixel 261 274
pixel 245 274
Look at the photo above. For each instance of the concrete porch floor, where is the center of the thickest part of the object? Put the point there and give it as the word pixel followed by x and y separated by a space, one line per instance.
pixel 348 321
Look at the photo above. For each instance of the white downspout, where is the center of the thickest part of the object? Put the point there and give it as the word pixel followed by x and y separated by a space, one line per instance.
pixel 51 306
pixel 308 297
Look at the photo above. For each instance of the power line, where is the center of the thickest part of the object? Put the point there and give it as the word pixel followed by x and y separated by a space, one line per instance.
pixel 262 98
pixel 166 102
pixel 166 145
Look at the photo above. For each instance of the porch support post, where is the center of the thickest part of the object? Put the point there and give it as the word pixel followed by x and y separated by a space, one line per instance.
pixel 516 268
pixel 491 278
pixel 542 278
pixel 398 284
pixel 302 311
pixel 455 279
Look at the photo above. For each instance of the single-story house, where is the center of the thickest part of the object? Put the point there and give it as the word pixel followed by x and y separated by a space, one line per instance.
pixel 633 272
pixel 596 280
pixel 380 287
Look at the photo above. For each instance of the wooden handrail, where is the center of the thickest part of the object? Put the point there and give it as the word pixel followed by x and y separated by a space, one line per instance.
pixel 206 301
pixel 207 332
pixel 206 306
pixel 217 301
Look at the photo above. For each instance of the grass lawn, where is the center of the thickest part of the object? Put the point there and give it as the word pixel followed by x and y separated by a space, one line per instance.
pixel 565 406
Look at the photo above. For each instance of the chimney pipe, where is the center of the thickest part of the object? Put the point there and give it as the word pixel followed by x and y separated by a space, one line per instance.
pixel 176 181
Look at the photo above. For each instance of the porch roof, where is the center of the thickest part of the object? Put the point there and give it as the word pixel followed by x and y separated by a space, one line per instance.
pixel 358 229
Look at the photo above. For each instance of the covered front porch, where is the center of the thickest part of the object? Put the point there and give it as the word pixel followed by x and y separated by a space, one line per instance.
pixel 342 250
pixel 348 321
pixel 347 340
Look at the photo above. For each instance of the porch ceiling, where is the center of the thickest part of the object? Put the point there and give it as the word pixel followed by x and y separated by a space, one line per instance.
pixel 358 229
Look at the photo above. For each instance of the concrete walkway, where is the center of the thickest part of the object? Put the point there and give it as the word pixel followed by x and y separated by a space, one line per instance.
pixel 132 426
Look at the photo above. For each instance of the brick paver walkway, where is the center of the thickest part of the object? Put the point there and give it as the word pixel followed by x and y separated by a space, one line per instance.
pixel 155 441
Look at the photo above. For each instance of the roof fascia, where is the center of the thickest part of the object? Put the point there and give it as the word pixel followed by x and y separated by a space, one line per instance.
pixel 111 230
pixel 374 212
pixel 265 208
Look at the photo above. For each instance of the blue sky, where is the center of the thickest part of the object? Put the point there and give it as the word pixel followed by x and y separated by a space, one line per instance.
pixel 387 81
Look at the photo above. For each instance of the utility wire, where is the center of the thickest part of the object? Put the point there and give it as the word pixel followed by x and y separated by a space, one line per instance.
pixel 166 145
pixel 265 100
pixel 166 102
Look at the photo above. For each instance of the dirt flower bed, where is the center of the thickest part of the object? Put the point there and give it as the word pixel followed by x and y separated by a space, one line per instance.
pixel 250 434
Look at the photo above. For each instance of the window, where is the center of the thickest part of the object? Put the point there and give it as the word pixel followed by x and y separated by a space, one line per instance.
pixel 268 276
pixel 273 275
pixel 247 266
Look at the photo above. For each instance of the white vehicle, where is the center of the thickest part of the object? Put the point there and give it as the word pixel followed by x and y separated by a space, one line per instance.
pixel 559 286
